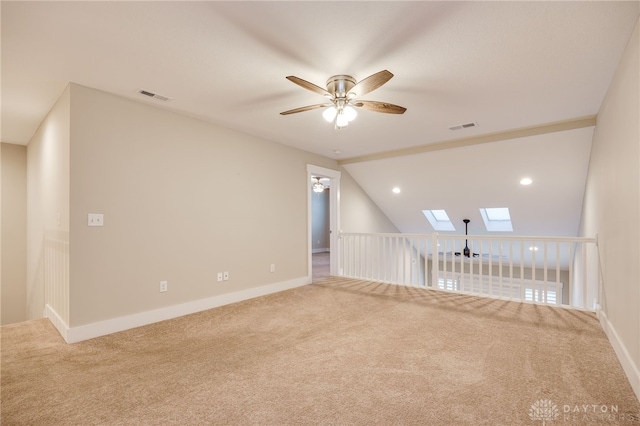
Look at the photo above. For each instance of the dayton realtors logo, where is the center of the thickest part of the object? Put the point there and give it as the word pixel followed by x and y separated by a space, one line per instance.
pixel 546 410
pixel 596 413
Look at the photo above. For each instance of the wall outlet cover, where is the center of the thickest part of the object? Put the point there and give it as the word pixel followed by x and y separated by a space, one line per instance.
pixel 95 219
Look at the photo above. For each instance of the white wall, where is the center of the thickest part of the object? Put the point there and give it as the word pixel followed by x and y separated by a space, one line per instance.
pixel 358 213
pixel 48 212
pixel 612 209
pixel 13 278
pixel 182 200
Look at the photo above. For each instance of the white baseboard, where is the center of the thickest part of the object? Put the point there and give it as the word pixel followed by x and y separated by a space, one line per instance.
pixel 629 367
pixel 114 325
pixel 57 322
pixel 320 250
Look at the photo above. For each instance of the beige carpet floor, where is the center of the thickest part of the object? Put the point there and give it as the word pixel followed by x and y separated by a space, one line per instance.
pixel 342 352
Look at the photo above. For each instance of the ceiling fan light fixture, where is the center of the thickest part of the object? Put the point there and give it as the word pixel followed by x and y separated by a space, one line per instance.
pixel 350 113
pixel 341 120
pixel 330 113
pixel 318 187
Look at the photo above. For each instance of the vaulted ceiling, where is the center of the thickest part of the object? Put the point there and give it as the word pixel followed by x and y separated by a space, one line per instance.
pixel 506 66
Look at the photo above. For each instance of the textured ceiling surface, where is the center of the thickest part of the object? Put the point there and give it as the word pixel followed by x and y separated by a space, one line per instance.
pixel 504 65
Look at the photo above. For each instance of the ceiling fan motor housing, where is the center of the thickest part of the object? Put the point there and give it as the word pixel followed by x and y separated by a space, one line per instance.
pixel 340 85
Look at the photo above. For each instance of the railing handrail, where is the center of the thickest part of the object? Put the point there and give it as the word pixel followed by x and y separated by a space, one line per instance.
pixel 477 237
pixel 436 261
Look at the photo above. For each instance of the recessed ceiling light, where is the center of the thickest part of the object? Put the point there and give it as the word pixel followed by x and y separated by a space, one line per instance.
pixel 396 190
pixel 526 181
pixel 533 248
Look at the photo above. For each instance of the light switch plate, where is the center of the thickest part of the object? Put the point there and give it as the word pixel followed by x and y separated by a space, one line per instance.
pixel 95 219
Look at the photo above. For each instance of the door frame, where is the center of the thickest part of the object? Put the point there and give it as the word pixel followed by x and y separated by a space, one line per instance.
pixel 334 218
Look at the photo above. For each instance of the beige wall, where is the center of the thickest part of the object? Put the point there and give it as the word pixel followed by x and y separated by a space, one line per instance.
pixel 48 212
pixel 182 200
pixel 13 291
pixel 612 207
pixel 358 213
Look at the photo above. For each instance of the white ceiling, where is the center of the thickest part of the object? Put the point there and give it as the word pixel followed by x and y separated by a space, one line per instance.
pixel 463 180
pixel 504 65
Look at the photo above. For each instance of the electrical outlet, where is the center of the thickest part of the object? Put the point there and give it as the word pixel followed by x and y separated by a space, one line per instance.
pixel 273 267
pixel 95 219
pixel 219 276
pixel 164 286
pixel 225 276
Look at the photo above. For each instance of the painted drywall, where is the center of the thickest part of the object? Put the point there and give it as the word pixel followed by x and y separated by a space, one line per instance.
pixel 612 208
pixel 358 213
pixel 13 179
pixel 182 200
pixel 48 212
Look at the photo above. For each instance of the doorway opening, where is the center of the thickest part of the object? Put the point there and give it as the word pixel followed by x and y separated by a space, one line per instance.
pixel 323 221
pixel 320 226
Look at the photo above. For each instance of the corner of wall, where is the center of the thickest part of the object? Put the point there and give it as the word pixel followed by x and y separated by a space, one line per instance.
pixel 359 213
pixel 48 205
pixel 625 358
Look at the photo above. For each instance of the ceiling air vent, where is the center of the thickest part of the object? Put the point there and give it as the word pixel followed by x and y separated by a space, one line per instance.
pixel 463 126
pixel 154 95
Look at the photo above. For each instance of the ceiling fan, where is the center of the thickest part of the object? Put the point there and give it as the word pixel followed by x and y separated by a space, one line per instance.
pixel 466 251
pixel 317 186
pixel 343 92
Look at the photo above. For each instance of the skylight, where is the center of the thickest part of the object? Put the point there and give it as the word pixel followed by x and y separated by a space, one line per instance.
pixel 497 219
pixel 500 213
pixel 439 220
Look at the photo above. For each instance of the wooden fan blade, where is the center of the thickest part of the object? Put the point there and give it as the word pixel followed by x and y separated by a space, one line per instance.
pixel 305 108
pixel 309 86
pixel 380 107
pixel 371 83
